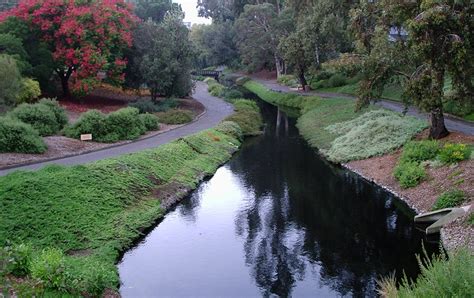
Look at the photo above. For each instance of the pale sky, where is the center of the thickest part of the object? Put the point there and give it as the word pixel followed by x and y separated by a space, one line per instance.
pixel 189 7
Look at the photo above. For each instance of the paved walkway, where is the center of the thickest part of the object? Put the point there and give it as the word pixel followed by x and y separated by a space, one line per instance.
pixel 452 124
pixel 216 111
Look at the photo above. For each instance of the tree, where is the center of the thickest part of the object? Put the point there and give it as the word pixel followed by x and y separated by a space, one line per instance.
pixel 85 38
pixel 37 62
pixel 215 44
pixel 441 35
pixel 296 55
pixel 165 57
pixel 155 10
pixel 259 30
pixel 440 43
pixel 10 80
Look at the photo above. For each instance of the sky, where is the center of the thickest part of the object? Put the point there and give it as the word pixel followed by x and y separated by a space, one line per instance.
pixel 189 7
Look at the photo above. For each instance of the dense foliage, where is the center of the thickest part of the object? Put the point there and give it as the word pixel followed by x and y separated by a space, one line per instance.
pixel 46 116
pixel 85 38
pixel 16 136
pixel 124 124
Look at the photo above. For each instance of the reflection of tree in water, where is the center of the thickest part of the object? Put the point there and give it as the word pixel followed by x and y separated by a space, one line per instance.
pixel 306 217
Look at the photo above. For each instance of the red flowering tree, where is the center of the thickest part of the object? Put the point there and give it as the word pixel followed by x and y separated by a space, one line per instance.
pixel 87 38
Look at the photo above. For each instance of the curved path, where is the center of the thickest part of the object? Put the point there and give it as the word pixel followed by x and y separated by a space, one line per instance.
pixel 216 111
pixel 452 123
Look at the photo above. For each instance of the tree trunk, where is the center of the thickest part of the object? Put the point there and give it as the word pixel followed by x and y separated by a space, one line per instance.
pixel 65 87
pixel 302 80
pixel 438 129
pixel 64 77
pixel 278 65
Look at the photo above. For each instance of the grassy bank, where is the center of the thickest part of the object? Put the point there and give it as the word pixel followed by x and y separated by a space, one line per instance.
pixel 338 131
pixel 63 228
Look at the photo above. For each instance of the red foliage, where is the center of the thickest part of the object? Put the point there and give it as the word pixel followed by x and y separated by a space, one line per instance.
pixel 86 37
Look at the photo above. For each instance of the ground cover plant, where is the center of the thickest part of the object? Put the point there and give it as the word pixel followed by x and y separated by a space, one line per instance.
pixel 70 241
pixel 371 134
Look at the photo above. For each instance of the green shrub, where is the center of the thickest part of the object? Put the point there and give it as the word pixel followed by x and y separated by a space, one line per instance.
pixel 440 277
pixel 230 128
pixel 417 151
pixel 371 134
pixel 216 89
pixel 40 116
pixel 16 259
pixel 48 267
pixel 90 122
pixel 409 174
pixel 323 75
pixel 232 94
pixel 449 199
pixel 288 80
pixel 123 124
pixel 337 80
pixel 209 80
pixel 246 104
pixel 150 121
pixel 453 153
pixel 59 112
pixel 19 137
pixel 175 117
pixel 148 106
pixel 29 91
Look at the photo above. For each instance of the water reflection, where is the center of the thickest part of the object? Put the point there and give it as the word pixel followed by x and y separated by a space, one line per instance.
pixel 309 218
pixel 275 221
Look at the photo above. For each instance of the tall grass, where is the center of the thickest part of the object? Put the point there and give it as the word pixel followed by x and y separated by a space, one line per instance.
pixel 440 277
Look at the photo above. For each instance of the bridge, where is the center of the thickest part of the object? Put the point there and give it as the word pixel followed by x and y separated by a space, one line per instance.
pixel 207 73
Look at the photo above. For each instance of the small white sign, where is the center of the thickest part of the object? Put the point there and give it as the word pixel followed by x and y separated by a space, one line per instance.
pixel 86 137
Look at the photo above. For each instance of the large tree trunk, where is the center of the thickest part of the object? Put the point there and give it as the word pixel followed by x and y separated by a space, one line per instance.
pixel 438 129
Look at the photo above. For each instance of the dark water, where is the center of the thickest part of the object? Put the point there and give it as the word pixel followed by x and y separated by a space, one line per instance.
pixel 276 220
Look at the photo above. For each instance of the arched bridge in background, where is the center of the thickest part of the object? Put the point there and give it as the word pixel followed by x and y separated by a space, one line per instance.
pixel 207 73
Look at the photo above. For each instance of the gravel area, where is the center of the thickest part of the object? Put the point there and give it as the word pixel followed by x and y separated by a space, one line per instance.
pixel 422 197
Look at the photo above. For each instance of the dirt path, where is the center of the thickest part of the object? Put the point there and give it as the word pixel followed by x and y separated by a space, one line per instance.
pixel 452 123
pixel 216 111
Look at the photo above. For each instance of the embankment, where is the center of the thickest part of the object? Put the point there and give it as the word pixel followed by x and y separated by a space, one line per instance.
pixel 63 229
